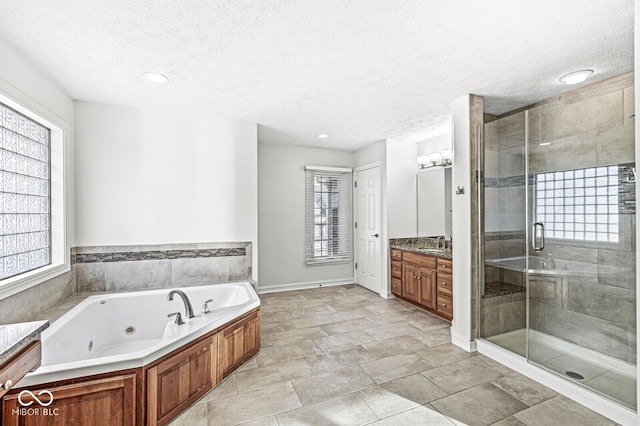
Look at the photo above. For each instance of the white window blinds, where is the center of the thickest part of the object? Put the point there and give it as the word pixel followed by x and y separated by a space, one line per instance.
pixel 328 215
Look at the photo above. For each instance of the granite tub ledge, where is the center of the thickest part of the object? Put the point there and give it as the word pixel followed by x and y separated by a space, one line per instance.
pixel 14 337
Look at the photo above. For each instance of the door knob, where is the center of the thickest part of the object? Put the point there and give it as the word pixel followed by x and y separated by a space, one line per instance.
pixel 376 235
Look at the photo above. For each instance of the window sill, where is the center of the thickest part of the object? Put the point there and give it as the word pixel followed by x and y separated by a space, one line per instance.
pixel 22 282
pixel 320 262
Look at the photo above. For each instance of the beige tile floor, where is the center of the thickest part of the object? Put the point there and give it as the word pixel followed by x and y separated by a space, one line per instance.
pixel 344 356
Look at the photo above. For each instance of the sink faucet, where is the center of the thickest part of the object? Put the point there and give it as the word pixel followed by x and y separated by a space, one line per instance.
pixel 441 241
pixel 185 299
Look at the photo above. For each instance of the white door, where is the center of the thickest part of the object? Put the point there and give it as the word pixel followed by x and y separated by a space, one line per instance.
pixel 368 262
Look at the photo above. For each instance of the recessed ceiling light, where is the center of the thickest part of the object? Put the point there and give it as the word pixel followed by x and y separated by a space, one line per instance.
pixel 322 136
pixel 156 77
pixel 576 77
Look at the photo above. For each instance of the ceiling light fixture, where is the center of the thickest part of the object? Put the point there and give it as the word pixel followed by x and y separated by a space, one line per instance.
pixel 576 77
pixel 322 136
pixel 156 77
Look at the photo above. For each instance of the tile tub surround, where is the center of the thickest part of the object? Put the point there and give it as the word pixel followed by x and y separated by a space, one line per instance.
pixel 326 362
pixel 130 268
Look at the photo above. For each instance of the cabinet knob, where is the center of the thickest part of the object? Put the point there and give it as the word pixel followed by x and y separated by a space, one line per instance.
pixel 443 283
pixel 7 385
pixel 395 269
pixel 443 266
pixel 444 305
pixel 415 278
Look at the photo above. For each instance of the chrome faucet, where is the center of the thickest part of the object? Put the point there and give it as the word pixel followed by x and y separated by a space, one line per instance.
pixel 185 299
pixel 441 241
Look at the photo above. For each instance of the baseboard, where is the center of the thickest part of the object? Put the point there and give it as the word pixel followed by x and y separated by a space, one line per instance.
pixel 304 285
pixel 579 394
pixel 463 342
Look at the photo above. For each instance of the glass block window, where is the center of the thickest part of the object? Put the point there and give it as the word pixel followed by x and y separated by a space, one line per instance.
pixel 25 220
pixel 328 216
pixel 579 204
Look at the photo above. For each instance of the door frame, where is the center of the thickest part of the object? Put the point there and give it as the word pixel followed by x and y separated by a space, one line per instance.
pixel 383 252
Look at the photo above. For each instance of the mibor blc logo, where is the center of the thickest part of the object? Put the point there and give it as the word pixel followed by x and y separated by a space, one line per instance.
pixel 43 399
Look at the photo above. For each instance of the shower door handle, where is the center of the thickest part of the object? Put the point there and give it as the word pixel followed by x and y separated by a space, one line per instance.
pixel 534 236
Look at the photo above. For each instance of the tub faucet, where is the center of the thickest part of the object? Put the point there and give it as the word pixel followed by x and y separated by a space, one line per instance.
pixel 185 299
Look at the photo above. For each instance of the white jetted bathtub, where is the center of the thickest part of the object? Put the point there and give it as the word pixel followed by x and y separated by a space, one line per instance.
pixel 113 332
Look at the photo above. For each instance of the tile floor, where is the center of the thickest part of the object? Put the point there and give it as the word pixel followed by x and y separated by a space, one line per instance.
pixel 345 356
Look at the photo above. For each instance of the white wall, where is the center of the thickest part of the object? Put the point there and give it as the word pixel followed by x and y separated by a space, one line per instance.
pixel 22 82
pixel 281 206
pixel 22 76
pixel 402 166
pixel 145 176
pixel 461 224
pixel 435 144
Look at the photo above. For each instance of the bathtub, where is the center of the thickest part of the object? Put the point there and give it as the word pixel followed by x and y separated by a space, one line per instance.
pixel 112 332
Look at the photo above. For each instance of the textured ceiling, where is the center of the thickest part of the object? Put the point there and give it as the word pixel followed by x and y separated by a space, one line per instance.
pixel 359 70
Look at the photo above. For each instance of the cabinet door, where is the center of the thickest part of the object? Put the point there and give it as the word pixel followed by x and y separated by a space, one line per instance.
pixel 238 343
pixel 410 282
pixel 180 380
pixel 427 293
pixel 110 401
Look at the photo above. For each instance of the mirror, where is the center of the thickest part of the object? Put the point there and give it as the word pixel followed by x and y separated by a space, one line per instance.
pixel 434 202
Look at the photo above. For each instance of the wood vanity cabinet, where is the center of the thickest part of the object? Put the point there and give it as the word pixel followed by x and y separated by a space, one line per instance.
pixel 18 365
pixel 444 298
pixel 423 280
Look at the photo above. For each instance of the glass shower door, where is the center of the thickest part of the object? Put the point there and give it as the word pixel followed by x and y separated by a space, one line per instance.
pixel 580 251
pixel 503 313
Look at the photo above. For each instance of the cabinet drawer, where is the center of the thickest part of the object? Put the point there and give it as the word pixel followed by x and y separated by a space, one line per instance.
pixel 444 304
pixel 396 254
pixel 419 259
pixel 396 269
pixel 445 284
pixel 445 265
pixel 396 286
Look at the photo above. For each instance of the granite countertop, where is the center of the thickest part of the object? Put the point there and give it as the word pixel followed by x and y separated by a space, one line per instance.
pixel 428 251
pixel 423 245
pixel 14 336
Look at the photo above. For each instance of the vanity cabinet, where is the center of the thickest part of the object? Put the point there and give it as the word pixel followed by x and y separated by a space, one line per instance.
pixel 444 297
pixel 18 365
pixel 424 281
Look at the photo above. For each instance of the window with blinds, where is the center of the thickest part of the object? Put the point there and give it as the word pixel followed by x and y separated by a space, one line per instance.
pixel 24 194
pixel 328 215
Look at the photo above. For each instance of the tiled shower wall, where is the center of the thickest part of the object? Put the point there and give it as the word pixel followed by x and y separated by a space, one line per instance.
pixel 131 268
pixel 588 127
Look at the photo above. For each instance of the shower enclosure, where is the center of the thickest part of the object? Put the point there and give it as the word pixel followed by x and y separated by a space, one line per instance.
pixel 557 247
